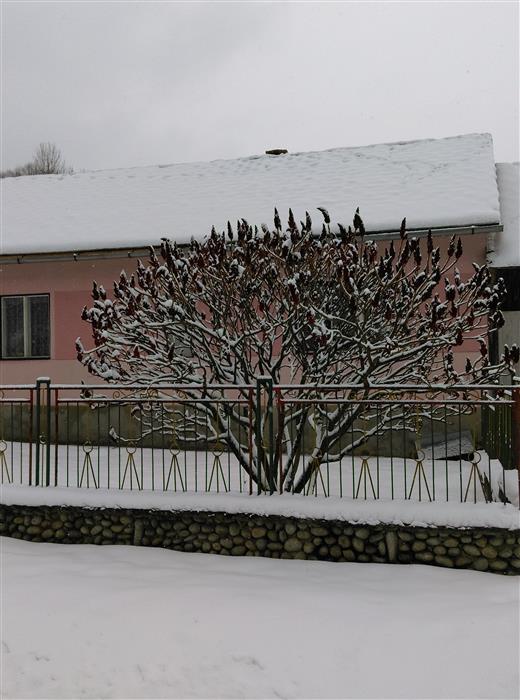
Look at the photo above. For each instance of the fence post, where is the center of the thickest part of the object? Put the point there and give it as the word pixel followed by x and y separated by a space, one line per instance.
pixel 515 437
pixel 265 439
pixel 43 383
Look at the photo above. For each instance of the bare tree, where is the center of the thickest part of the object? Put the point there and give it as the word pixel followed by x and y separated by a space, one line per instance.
pixel 47 160
pixel 18 171
pixel 311 309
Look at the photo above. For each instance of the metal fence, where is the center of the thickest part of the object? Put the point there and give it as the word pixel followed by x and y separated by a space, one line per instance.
pixel 457 443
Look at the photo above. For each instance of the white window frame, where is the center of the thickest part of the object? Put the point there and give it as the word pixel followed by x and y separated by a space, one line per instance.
pixel 27 337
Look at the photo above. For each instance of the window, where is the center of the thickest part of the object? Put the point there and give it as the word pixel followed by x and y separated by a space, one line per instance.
pixel 511 276
pixel 25 326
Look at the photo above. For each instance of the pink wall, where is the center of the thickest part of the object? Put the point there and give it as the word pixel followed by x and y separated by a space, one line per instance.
pixel 69 284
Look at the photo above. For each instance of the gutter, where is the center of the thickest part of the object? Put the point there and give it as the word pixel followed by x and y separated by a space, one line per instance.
pixel 143 251
pixel 423 232
pixel 79 256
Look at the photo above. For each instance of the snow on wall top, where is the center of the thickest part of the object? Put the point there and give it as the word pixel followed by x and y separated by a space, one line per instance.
pixel 506 244
pixel 434 183
pixel 413 513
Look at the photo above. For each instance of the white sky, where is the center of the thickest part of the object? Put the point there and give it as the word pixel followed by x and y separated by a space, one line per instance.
pixel 118 84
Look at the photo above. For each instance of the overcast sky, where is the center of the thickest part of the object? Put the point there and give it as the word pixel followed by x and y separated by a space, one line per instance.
pixel 117 84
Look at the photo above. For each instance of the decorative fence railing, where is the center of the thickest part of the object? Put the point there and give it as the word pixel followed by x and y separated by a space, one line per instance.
pixel 457 443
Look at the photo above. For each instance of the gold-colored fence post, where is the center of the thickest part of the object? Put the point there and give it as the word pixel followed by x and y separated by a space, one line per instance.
pixel 4 465
pixel 419 474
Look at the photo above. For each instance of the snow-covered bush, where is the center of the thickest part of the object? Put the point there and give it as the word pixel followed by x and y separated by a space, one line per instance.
pixel 297 307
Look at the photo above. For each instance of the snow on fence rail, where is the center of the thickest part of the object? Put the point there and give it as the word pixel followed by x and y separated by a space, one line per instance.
pixel 423 443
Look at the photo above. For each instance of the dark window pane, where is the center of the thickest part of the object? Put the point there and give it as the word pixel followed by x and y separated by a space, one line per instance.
pixel 39 320
pixel 12 327
pixel 511 277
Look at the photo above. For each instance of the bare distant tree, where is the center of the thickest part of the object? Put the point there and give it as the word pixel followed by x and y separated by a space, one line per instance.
pixel 47 160
pixel 18 171
pixel 14 172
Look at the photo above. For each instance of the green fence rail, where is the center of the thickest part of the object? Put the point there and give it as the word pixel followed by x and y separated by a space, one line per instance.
pixel 457 443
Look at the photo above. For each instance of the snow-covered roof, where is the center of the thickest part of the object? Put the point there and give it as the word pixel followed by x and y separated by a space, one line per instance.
pixel 434 183
pixel 506 244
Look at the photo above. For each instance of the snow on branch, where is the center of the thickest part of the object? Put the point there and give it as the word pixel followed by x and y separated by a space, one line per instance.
pixel 283 302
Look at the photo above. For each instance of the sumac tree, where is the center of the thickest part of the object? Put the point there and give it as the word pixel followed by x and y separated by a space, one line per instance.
pixel 298 307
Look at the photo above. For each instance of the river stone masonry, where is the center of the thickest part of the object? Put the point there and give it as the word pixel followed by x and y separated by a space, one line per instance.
pixel 279 537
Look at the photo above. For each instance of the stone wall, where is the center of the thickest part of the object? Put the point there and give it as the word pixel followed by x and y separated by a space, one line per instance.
pixel 484 549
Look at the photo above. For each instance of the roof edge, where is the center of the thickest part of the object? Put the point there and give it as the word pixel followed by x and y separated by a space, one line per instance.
pixel 137 251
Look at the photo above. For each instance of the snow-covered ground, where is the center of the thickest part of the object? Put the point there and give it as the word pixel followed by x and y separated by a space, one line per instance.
pixel 194 484
pixel 158 469
pixel 131 622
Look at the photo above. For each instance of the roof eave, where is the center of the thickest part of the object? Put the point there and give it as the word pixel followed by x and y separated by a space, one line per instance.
pixel 139 251
pixel 468 230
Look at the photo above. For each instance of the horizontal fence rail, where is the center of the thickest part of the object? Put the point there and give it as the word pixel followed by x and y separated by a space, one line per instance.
pixel 425 443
